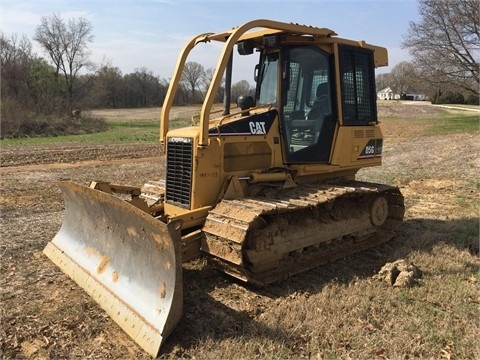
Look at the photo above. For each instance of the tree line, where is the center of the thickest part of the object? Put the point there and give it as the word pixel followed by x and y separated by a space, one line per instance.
pixel 55 85
pixel 49 93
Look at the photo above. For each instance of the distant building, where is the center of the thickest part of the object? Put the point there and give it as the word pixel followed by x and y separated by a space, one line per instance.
pixel 413 95
pixel 387 94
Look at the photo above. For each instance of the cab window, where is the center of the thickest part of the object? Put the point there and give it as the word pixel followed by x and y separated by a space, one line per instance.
pixel 268 76
pixel 358 86
pixel 308 121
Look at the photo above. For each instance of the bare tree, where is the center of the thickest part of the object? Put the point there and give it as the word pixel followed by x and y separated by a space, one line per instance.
pixel 16 59
pixel 207 79
pixel 66 45
pixel 27 88
pixel 108 87
pixel 193 75
pixel 382 81
pixel 144 79
pixel 403 77
pixel 445 43
pixel 240 88
pixel 142 88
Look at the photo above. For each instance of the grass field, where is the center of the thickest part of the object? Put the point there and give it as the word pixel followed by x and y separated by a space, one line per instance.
pixel 142 125
pixel 125 126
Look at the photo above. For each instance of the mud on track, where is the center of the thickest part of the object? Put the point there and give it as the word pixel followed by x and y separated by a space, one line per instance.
pixel 46 315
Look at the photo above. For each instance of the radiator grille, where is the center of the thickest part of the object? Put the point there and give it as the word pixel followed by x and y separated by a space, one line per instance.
pixel 179 171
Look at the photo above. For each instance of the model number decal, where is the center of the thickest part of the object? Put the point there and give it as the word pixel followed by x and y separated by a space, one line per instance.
pixel 372 149
pixel 369 150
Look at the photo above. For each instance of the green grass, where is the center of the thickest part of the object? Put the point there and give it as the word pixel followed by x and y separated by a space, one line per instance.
pixel 119 131
pixel 452 123
pixel 123 130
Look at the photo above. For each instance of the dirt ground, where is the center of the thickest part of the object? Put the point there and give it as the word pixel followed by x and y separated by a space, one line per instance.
pixel 46 315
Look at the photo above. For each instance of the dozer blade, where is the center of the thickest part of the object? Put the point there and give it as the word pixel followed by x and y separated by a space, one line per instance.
pixel 126 260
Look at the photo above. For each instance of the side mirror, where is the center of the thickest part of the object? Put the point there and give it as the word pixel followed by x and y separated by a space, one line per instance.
pixel 245 47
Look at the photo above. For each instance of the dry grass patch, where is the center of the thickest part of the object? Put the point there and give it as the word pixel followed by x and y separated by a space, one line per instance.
pixel 152 113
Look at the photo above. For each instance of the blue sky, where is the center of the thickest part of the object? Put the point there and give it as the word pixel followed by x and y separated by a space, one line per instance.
pixel 135 34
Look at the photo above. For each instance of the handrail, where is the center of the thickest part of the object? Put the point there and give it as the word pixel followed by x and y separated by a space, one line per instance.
pixel 175 81
pixel 230 37
pixel 234 37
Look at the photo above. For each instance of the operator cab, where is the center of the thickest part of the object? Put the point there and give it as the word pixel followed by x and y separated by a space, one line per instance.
pixel 306 105
pixel 304 96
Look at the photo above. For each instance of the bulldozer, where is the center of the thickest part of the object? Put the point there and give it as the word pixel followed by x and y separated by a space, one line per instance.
pixel 263 187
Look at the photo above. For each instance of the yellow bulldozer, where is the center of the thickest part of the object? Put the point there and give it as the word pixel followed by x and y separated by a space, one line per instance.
pixel 264 188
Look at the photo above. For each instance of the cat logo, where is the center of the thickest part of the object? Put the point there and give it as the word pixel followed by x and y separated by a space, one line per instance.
pixel 257 128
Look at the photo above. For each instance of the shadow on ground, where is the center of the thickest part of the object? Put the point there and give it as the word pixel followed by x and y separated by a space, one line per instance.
pixel 206 318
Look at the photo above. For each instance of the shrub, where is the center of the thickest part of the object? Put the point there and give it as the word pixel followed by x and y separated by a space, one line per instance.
pixel 472 100
pixel 450 98
pixel 17 122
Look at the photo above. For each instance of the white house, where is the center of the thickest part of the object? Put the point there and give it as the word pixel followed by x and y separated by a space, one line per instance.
pixel 387 94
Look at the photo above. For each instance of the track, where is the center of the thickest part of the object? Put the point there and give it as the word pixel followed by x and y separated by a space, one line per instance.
pixel 265 239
